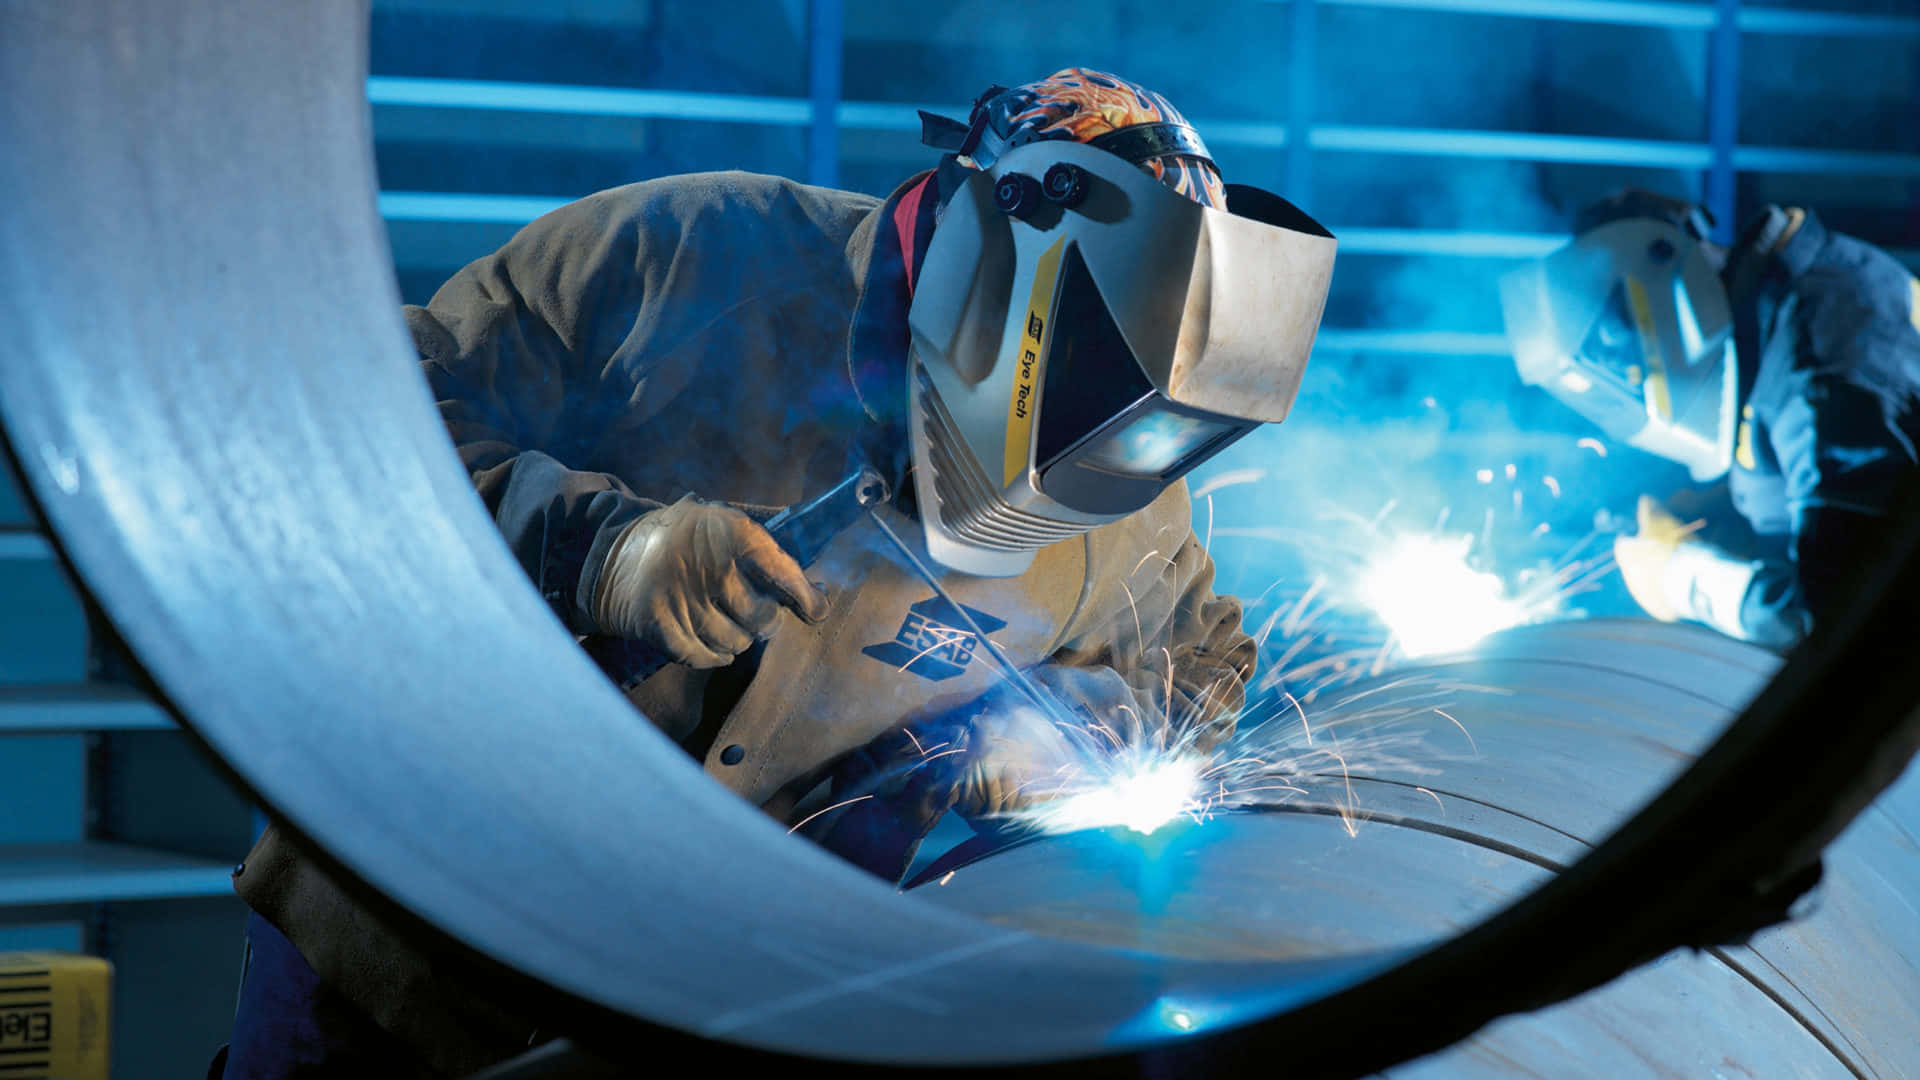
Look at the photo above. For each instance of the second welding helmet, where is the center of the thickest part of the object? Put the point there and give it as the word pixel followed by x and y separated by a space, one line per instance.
pixel 1096 315
pixel 1630 325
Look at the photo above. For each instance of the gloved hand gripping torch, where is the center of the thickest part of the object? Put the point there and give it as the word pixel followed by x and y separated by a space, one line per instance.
pixel 802 530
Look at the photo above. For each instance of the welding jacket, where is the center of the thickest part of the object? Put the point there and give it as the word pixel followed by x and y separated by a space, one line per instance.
pixel 732 336
pixel 1827 330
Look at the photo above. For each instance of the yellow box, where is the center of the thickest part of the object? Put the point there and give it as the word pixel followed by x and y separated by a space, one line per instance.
pixel 54 1016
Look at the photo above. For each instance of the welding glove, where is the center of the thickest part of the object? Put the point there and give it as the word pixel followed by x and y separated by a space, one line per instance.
pixel 986 760
pixel 1015 755
pixel 1644 557
pixel 701 582
pixel 1197 709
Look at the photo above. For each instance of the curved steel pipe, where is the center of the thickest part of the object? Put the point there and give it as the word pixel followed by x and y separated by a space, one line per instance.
pixel 211 400
pixel 1565 729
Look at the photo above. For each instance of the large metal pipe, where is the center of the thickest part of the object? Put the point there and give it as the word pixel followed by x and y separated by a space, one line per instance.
pixel 209 395
pixel 1572 727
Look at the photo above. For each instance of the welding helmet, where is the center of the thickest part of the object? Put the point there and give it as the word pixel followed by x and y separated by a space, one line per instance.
pixel 1096 315
pixel 1631 326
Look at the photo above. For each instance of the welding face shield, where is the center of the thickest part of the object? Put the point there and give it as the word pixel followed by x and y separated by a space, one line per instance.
pixel 1083 336
pixel 1631 327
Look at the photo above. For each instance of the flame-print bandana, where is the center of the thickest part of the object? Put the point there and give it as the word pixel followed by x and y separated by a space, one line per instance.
pixel 1090 107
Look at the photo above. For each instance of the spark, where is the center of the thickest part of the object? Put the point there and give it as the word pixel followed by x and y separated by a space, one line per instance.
pixel 1553 485
pixel 1432 600
pixel 1161 776
pixel 948 876
pixel 1424 791
pixel 1294 623
pixel 1139 635
pixel 927 758
pixel 1462 727
pixel 1304 726
pixel 1594 445
pixel 829 809
pixel 1485 476
pixel 1230 479
pixel 943 637
pixel 1266 628
pixel 1512 470
pixel 1154 554
pixel 1347 808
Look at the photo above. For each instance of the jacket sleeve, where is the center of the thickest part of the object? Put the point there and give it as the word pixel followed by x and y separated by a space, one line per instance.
pixel 1844 438
pixel 515 348
pixel 1752 600
pixel 1177 644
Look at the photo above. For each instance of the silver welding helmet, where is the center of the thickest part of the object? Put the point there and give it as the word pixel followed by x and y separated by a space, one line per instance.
pixel 1083 335
pixel 1630 325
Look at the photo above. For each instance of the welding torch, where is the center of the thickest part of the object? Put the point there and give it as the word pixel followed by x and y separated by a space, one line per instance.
pixel 802 530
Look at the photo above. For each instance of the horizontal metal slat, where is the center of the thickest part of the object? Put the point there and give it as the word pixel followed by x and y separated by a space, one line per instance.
pixel 1615 12
pixel 589 100
pixel 91 872
pixel 1441 142
pixel 1794 159
pixel 1669 16
pixel 23 545
pixel 1470 244
pixel 1512 145
pixel 455 207
pixel 78 707
pixel 1827 23
pixel 1413 342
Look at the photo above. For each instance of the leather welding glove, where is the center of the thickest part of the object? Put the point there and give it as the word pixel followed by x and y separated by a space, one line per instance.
pixel 1643 557
pixel 889 795
pixel 1198 709
pixel 986 759
pixel 701 582
pixel 1016 756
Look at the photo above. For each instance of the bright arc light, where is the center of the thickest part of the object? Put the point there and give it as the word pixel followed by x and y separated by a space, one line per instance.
pixel 1142 796
pixel 1425 592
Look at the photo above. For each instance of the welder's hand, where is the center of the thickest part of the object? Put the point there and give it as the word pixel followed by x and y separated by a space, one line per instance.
pixel 1014 756
pixel 1196 710
pixel 700 581
pixel 1017 756
pixel 1643 557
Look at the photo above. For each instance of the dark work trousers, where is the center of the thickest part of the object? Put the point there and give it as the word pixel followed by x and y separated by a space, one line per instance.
pixel 288 1026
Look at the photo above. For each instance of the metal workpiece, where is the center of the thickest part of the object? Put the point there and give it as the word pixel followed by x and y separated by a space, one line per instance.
pixel 1573 726
pixel 211 398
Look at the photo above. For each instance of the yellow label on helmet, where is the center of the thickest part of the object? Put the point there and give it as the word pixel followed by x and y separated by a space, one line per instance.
pixel 1025 399
pixel 1743 442
pixel 1657 394
pixel 1913 308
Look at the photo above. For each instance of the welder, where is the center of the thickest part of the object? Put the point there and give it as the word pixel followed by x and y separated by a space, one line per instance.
pixel 1031 343
pixel 1786 367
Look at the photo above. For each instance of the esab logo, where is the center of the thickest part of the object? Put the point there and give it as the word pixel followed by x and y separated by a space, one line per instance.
pixel 932 642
